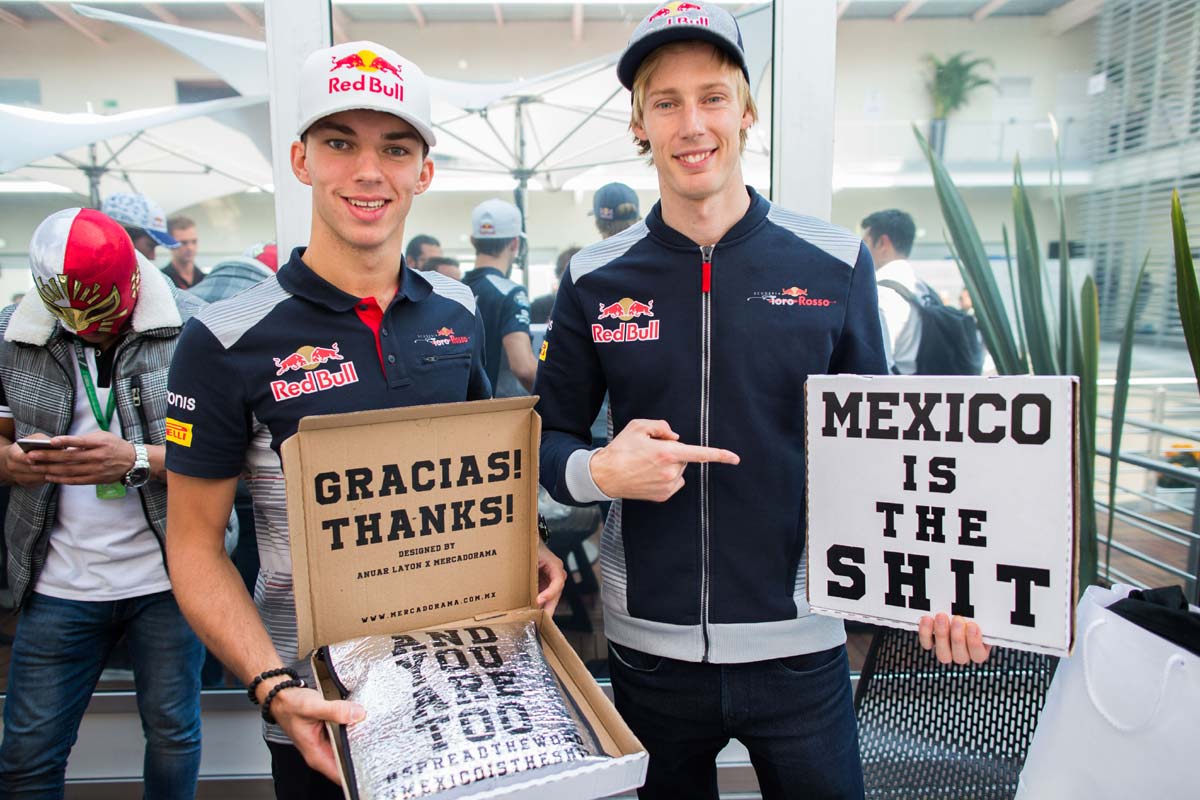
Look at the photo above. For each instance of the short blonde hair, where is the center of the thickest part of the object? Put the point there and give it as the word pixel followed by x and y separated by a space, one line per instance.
pixel 646 69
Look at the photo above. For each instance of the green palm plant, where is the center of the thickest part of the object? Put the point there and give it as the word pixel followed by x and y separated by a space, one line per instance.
pixel 950 85
pixel 1062 341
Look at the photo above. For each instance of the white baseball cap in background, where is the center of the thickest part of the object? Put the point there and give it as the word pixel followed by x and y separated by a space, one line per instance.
pixel 364 75
pixel 139 211
pixel 495 219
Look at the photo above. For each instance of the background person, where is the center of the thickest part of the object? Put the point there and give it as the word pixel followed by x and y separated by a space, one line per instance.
pixel 143 219
pixel 889 234
pixel 421 248
pixel 615 207
pixel 182 270
pixel 539 309
pixel 497 238
pixel 445 265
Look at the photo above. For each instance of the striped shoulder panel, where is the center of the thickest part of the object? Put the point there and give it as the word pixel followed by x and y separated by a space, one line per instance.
pixel 597 255
pixel 503 285
pixel 229 319
pixel 836 241
pixel 451 289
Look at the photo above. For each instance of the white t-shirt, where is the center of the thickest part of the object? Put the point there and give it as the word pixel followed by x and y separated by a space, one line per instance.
pixel 902 324
pixel 100 549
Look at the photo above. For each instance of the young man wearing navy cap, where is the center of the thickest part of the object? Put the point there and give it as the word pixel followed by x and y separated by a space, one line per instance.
pixel 344 326
pixel 710 634
pixel 615 207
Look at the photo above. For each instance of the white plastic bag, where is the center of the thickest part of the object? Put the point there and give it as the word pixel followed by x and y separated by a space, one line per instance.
pixel 1122 717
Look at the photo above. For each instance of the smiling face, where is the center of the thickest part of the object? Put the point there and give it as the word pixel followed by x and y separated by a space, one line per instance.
pixel 364 167
pixel 693 111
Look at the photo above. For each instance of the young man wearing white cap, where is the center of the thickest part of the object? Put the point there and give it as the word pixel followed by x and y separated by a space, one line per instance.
pixel 497 237
pixel 143 220
pixel 710 634
pixel 345 325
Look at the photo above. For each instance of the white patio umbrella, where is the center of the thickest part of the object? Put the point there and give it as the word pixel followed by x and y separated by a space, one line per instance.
pixel 178 155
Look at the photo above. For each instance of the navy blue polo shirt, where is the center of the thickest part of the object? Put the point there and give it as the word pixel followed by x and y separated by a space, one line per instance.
pixel 505 309
pixel 248 368
pixel 296 345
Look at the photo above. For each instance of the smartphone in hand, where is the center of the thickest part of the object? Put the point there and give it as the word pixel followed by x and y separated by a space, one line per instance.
pixel 36 444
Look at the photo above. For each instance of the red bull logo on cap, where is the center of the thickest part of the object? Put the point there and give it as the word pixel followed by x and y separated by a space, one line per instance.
pixel 372 66
pixel 625 310
pixel 680 14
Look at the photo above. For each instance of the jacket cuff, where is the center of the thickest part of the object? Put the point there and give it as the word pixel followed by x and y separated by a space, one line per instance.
pixel 579 478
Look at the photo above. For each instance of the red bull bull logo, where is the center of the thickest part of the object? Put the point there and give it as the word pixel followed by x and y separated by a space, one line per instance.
pixel 307 357
pixel 625 311
pixel 372 66
pixel 680 14
pixel 442 337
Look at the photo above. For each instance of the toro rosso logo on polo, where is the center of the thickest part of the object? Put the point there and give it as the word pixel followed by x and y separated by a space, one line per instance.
pixel 372 66
pixel 442 337
pixel 308 358
pixel 625 311
pixel 676 14
pixel 791 296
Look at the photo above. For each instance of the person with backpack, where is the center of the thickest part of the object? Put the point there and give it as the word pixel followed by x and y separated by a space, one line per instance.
pixel 924 336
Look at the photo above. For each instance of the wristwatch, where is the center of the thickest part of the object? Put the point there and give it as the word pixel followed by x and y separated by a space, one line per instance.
pixel 139 474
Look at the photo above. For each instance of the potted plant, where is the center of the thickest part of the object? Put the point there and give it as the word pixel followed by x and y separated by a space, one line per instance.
pixel 950 86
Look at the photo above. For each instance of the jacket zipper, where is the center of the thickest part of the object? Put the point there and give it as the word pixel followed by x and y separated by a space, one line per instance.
pixel 706 255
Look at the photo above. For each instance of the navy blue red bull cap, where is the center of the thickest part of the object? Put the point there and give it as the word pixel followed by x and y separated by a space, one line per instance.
pixel 681 22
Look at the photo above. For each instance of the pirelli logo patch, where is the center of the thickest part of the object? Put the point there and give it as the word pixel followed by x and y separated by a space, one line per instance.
pixel 542 354
pixel 179 433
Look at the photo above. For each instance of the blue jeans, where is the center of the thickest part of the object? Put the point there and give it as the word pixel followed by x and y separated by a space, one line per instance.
pixel 60 649
pixel 794 715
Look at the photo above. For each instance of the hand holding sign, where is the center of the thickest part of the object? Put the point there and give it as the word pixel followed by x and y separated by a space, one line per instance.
pixel 959 640
pixel 646 461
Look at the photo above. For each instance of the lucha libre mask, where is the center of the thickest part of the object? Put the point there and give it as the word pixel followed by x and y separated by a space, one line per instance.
pixel 85 269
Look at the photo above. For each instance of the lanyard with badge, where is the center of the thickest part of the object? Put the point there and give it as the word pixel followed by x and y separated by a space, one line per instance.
pixel 104 491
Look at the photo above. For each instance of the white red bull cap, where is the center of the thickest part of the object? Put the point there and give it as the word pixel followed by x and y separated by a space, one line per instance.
pixel 679 22
pixel 364 75
pixel 496 219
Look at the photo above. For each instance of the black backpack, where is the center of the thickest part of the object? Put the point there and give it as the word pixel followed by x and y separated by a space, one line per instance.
pixel 950 342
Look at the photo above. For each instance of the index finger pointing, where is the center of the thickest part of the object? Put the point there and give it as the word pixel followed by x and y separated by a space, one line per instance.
pixel 697 454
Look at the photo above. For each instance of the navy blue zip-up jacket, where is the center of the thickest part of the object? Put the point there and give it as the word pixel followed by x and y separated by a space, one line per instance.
pixel 719 343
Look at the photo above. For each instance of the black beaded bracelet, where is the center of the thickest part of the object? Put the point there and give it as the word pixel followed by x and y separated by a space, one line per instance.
pixel 294 683
pixel 271 673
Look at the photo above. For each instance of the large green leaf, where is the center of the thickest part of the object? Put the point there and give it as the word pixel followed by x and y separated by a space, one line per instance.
pixel 1012 288
pixel 976 269
pixel 1185 284
pixel 1038 336
pixel 1120 398
pixel 1089 317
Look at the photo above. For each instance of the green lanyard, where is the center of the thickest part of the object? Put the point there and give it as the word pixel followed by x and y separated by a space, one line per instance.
pixel 90 387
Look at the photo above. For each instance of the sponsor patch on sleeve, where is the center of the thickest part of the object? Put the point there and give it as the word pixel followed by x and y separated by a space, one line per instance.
pixel 542 354
pixel 179 433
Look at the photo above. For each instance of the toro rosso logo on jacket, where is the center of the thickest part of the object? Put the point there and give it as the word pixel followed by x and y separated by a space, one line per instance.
pixel 791 296
pixel 625 311
pixel 307 359
pixel 371 66
pixel 442 337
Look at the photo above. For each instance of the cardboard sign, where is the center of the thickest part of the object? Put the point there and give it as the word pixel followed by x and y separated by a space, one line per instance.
pixel 411 519
pixel 956 495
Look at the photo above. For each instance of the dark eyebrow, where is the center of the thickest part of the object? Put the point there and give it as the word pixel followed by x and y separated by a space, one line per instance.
pixel 395 136
pixel 345 130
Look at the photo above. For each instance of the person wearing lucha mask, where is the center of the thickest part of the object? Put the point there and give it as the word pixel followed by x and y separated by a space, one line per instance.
pixel 83 369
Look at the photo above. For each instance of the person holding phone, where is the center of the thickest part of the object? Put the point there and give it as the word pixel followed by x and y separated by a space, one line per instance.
pixel 83 401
